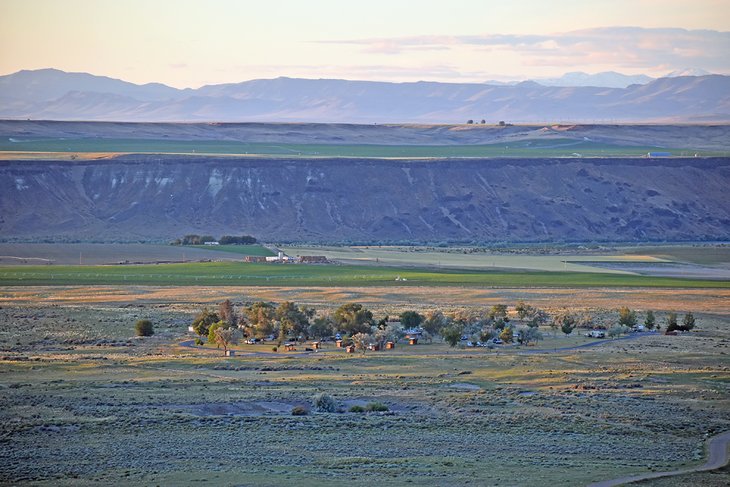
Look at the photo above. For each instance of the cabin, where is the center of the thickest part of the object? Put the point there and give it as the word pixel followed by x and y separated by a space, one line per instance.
pixel 230 353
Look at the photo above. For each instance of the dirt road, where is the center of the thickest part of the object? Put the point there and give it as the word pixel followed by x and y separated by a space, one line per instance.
pixel 717 446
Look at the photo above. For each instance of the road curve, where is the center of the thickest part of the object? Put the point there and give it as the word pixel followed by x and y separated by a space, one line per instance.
pixel 718 457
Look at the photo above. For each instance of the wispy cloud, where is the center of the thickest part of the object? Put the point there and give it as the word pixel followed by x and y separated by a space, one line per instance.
pixel 634 47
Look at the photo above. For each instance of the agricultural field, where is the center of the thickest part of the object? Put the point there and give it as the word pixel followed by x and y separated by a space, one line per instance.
pixel 72 372
pixel 517 148
pixel 114 253
pixel 245 274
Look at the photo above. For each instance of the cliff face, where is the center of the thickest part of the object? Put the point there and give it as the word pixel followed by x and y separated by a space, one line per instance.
pixel 340 200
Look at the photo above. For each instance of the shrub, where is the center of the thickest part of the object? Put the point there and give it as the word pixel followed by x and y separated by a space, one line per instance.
pixel 274 349
pixel 144 328
pixel 357 409
pixel 199 341
pixel 299 411
pixel 376 407
pixel 324 403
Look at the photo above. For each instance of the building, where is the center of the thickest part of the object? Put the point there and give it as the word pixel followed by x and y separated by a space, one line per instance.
pixel 254 258
pixel 313 259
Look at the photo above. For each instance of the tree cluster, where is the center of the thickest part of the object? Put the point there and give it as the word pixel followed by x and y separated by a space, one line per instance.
pixel 194 239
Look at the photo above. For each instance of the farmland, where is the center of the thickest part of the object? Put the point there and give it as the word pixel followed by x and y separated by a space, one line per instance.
pixel 518 148
pixel 243 274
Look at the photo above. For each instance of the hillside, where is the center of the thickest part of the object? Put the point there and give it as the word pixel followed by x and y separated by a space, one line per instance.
pixel 159 197
pixel 56 95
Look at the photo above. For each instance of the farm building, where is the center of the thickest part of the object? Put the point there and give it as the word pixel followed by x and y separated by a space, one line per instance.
pixel 313 259
pixel 254 258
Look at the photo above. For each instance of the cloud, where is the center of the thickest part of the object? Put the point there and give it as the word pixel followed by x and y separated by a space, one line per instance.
pixel 635 47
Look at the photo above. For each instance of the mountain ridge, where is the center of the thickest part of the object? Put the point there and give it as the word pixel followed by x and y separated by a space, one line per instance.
pixel 56 95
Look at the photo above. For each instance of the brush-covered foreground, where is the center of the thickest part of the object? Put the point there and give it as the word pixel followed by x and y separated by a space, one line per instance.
pixel 83 403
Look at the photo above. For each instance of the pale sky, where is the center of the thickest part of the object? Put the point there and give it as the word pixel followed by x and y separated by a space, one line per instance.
pixel 190 43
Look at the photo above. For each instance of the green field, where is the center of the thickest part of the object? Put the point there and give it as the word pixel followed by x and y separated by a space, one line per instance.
pixel 522 148
pixel 235 273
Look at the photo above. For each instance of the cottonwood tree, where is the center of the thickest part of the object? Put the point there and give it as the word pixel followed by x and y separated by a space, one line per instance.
pixel 626 317
pixel 225 337
pixel 353 318
pixel 203 320
pixel 410 319
pixel 451 334
pixel 688 322
pixel 528 335
pixel 291 319
pixel 322 326
pixel 507 335
pixel 434 321
pixel 260 317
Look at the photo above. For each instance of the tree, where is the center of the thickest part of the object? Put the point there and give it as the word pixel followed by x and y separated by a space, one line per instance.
pixel 227 313
pixel 523 310
pixel 361 341
pixel 291 319
pixel 434 321
pixel 217 326
pixel 470 122
pixel 567 327
pixel 352 318
pixel 498 311
pixel 202 322
pixel 260 316
pixel 528 335
pixel 506 335
pixel 410 319
pixel 615 331
pixel 585 320
pixel 451 334
pixel 322 326
pixel 537 318
pixel 672 322
pixel 627 317
pixel 225 337
pixel 144 328
pixel 650 320
pixel 688 322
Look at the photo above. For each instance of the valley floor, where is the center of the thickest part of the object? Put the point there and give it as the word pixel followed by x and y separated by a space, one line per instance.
pixel 83 403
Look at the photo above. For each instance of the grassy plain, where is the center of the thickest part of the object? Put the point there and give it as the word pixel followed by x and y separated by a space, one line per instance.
pixel 522 148
pixel 254 250
pixel 84 403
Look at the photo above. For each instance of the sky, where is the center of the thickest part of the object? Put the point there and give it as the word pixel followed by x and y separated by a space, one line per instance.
pixel 190 43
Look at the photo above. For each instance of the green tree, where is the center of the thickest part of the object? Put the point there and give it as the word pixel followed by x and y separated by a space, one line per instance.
pixel 220 325
pixel 568 326
pixel 650 320
pixel 528 335
pixel 498 311
pixel 672 322
pixel 292 319
pixel 688 322
pixel 627 317
pixel 203 320
pixel 410 319
pixel 225 337
pixel 537 318
pixel 434 321
pixel 506 335
pixel 260 317
pixel 321 327
pixel 523 310
pixel 144 328
pixel 353 318
pixel 451 334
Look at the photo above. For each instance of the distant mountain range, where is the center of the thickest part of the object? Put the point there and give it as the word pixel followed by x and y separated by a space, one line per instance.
pixel 576 97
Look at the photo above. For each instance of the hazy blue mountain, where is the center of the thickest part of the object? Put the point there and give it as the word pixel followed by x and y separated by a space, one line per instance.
pixel 53 94
pixel 607 79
